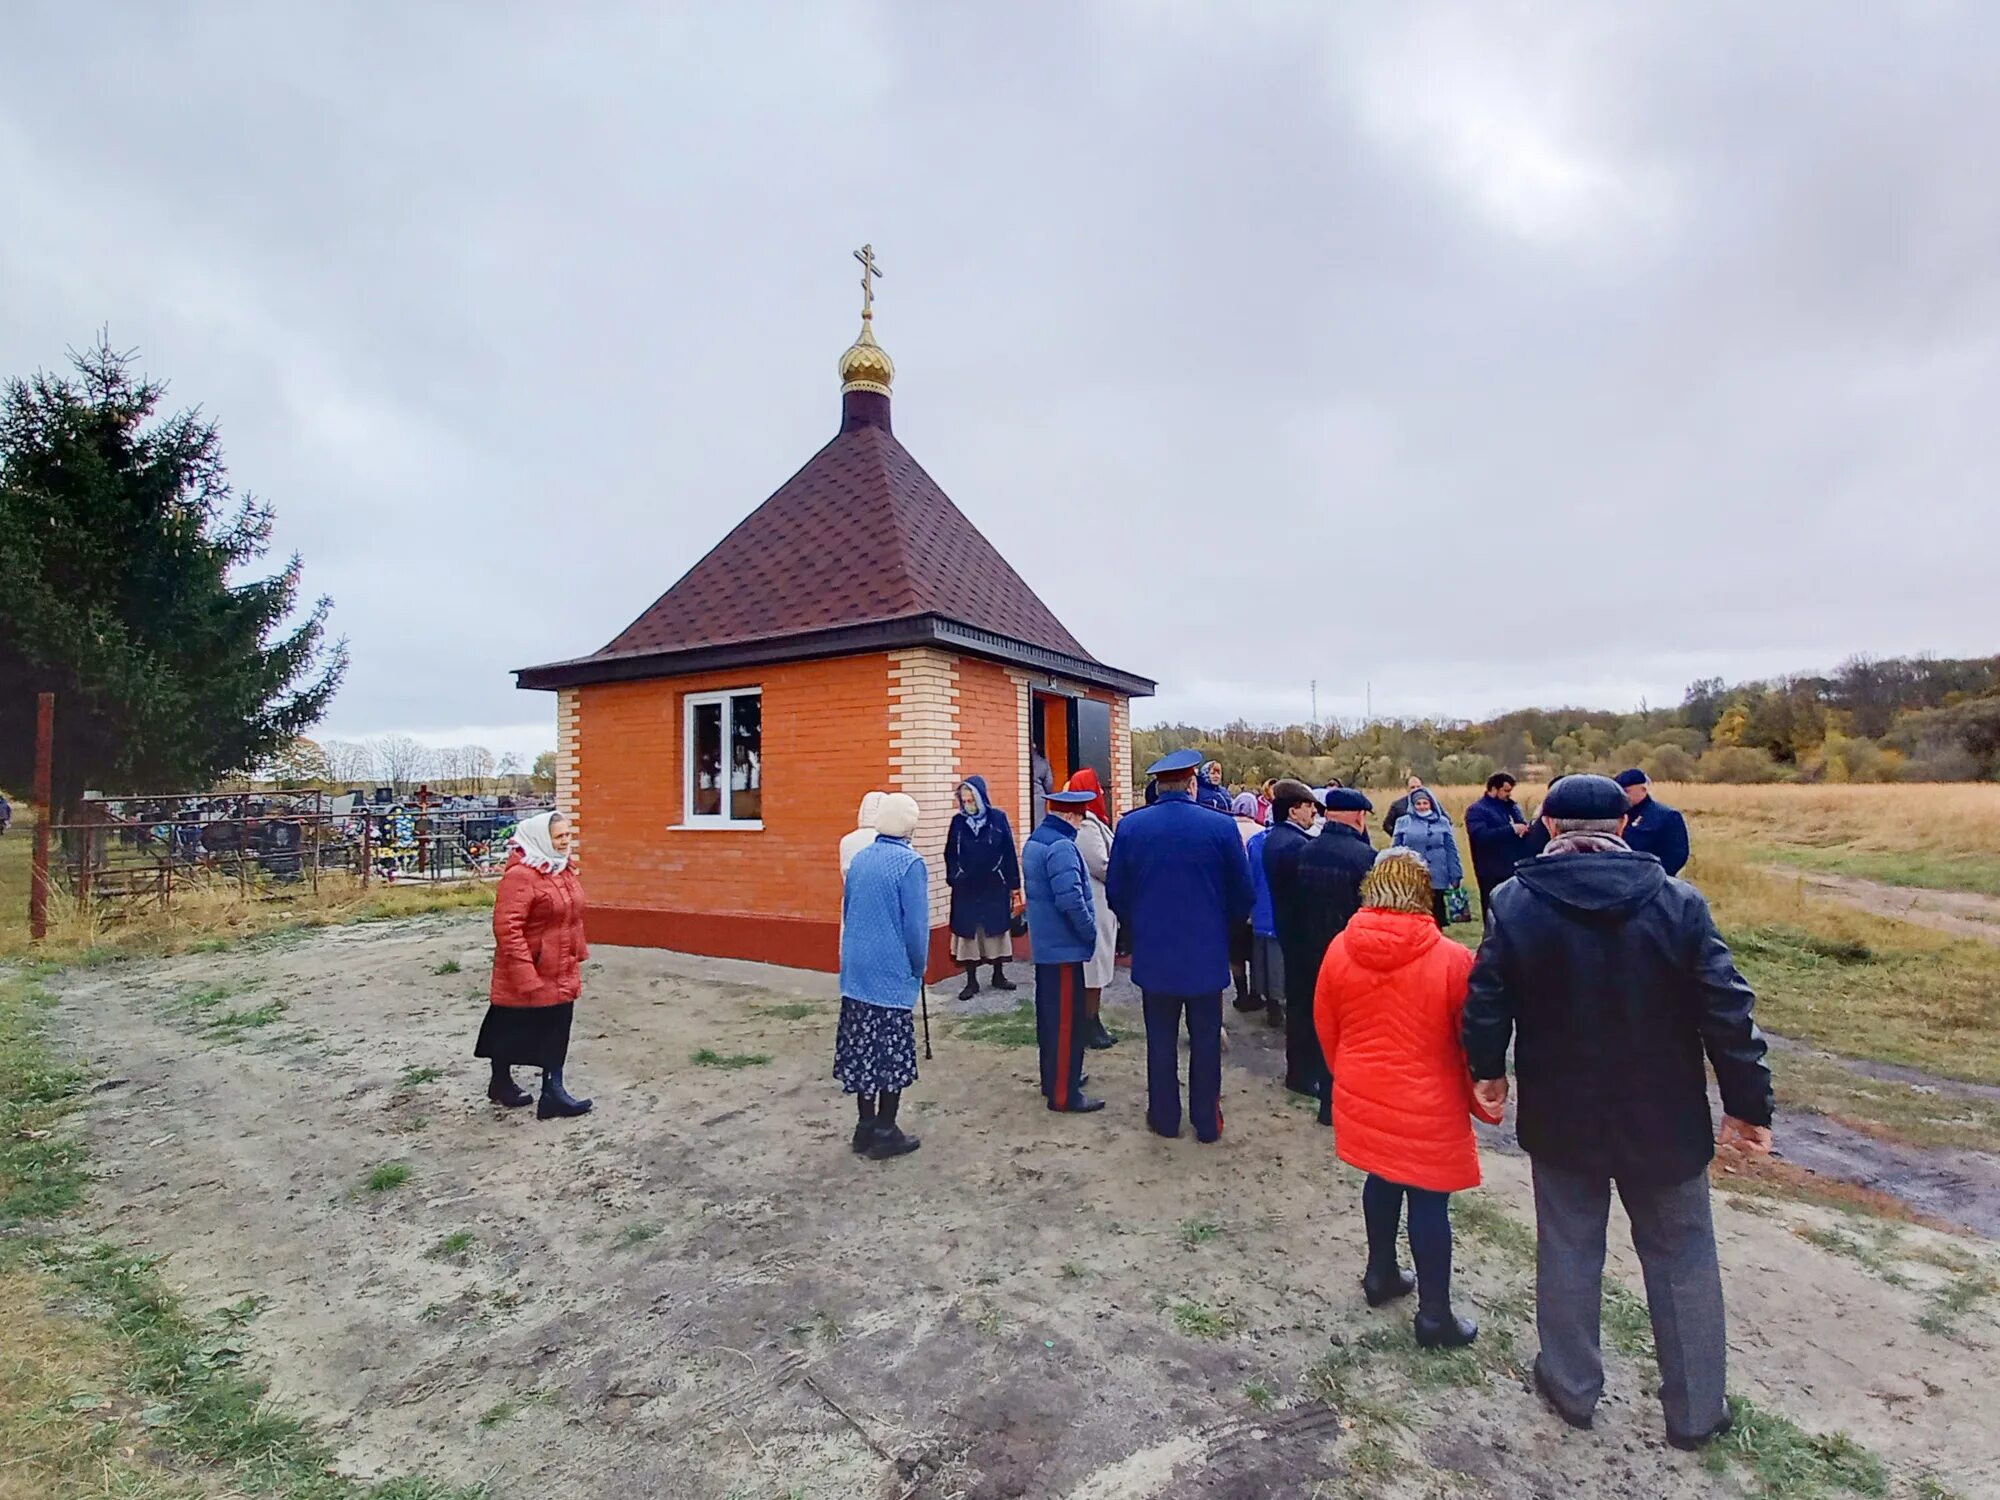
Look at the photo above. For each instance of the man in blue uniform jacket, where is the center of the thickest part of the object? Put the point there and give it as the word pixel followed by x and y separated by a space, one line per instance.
pixel 1179 883
pixel 1652 827
pixel 1062 929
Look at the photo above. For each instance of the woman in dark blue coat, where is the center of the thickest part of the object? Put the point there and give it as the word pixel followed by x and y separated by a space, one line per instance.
pixel 984 872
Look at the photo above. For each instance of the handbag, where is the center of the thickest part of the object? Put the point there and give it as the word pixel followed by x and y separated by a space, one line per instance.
pixel 1457 905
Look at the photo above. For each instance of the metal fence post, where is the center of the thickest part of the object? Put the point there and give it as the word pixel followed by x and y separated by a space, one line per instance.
pixel 38 877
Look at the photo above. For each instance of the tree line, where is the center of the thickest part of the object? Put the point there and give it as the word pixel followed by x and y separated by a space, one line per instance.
pixel 1895 719
pixel 398 761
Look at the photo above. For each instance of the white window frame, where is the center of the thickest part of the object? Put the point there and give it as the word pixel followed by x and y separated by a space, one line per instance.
pixel 722 820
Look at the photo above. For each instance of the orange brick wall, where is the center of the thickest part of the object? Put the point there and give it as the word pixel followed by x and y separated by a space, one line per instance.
pixel 826 743
pixel 992 735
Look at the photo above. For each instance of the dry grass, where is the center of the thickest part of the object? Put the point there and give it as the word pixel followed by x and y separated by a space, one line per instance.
pixel 66 1427
pixel 199 916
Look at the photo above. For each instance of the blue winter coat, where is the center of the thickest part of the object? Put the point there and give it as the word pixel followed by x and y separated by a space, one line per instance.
pixel 1433 838
pixel 981 868
pixel 1062 918
pixel 1262 921
pixel 1496 848
pixel 885 925
pixel 1208 794
pixel 1179 883
pixel 1659 830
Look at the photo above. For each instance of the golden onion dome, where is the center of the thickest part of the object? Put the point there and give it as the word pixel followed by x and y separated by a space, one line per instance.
pixel 866 365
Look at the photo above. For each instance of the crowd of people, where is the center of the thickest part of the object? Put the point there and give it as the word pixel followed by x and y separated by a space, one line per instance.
pixel 1599 970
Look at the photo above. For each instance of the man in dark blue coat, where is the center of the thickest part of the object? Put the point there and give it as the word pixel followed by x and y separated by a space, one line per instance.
pixel 1294 809
pixel 1497 829
pixel 1062 928
pixel 1326 895
pixel 1651 826
pixel 1611 981
pixel 1179 883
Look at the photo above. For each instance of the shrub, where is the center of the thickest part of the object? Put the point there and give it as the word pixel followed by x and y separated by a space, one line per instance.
pixel 1738 763
pixel 1668 763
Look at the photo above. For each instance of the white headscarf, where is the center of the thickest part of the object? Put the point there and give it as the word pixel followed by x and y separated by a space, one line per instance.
pixel 537 852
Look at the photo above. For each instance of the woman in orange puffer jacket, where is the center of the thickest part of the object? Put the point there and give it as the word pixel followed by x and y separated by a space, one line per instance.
pixel 1387 1010
pixel 538 954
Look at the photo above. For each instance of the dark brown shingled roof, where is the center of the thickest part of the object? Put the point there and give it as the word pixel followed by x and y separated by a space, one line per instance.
pixel 859 550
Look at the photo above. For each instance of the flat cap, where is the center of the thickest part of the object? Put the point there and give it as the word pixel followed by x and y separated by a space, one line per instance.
pixel 1586 797
pixel 1633 777
pixel 1345 799
pixel 1175 761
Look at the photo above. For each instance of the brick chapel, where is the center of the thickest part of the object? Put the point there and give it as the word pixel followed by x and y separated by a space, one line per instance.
pixel 854 632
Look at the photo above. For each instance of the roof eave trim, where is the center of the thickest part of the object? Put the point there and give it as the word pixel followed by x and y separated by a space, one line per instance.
pixel 844 640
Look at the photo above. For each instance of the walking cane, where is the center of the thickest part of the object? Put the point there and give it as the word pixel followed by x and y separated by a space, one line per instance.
pixel 924 992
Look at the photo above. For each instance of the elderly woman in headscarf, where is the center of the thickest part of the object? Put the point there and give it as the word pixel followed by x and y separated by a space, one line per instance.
pixel 864 830
pixel 1093 842
pixel 538 955
pixel 885 943
pixel 1243 937
pixel 1387 1007
pixel 983 869
pixel 1426 830
pixel 1209 790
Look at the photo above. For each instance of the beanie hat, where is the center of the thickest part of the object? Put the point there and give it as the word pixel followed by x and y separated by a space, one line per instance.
pixel 1398 881
pixel 899 816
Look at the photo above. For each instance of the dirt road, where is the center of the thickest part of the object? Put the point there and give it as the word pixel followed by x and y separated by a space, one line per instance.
pixel 698 1291
pixel 1961 913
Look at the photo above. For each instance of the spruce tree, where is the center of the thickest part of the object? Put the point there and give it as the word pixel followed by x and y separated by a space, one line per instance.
pixel 121 546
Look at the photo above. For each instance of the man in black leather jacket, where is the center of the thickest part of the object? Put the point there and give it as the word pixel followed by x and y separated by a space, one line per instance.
pixel 1293 808
pixel 1612 982
pixel 1327 895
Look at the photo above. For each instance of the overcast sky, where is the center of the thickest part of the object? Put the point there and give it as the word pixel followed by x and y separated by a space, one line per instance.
pixel 1485 354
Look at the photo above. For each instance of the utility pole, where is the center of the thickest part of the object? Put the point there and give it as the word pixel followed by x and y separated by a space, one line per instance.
pixel 1371 700
pixel 1315 693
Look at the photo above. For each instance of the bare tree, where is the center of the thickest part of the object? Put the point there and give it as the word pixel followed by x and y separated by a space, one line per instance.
pixel 479 765
pixel 401 761
pixel 349 761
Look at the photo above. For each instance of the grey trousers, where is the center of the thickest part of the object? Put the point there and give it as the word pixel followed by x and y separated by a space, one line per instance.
pixel 1675 1238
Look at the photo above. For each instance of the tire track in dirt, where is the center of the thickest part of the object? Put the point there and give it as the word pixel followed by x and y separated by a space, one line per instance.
pixel 1967 914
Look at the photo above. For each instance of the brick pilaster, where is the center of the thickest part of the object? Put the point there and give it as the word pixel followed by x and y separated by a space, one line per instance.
pixel 923 752
pixel 569 754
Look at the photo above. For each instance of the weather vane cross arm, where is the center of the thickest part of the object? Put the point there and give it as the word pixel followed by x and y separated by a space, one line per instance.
pixel 869 271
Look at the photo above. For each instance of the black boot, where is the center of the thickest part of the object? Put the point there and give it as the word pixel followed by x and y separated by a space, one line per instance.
pixel 1097 1038
pixel 864 1128
pixel 1381 1287
pixel 889 1139
pixel 557 1103
pixel 1445 1330
pixel 1274 1014
pixel 971 982
pixel 504 1091
pixel 1000 979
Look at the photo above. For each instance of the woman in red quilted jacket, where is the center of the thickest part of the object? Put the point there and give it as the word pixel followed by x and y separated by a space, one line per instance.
pixel 1387 1009
pixel 538 954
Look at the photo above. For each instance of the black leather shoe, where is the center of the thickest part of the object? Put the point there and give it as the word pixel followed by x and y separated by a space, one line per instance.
pixel 1690 1444
pixel 1447 1332
pixel 557 1103
pixel 864 1136
pixel 1546 1392
pixel 890 1141
pixel 971 987
pixel 1099 1037
pixel 1247 1003
pixel 1000 980
pixel 1274 1015
pixel 1082 1104
pixel 1381 1290
pixel 1171 1135
pixel 508 1094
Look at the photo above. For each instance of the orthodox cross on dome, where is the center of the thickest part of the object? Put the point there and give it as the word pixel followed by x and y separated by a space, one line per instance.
pixel 869 271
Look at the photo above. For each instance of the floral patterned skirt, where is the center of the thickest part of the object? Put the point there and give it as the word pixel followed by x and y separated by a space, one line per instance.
pixel 876 1049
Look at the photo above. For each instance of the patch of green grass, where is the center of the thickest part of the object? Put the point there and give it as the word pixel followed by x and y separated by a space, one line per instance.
pixel 1788 1463
pixel 232 1024
pixel 1481 1218
pixel 1628 1326
pixel 1071 1270
pixel 821 1328
pixel 708 1057
pixel 1260 1396
pixel 1796 945
pixel 637 1233
pixel 499 1412
pixel 453 1246
pixel 1952 1301
pixel 990 1320
pixel 42 1169
pixel 449 966
pixel 1373 1458
pixel 410 1078
pixel 1921 869
pixel 1878 1255
pixel 391 1174
pixel 1001 1028
pixel 1198 1231
pixel 1199 1320
pixel 790 1010
pixel 1927 1488
pixel 239 1313
pixel 1888 1108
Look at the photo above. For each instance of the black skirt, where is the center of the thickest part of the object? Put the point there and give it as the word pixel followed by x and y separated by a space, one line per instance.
pixel 526 1036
